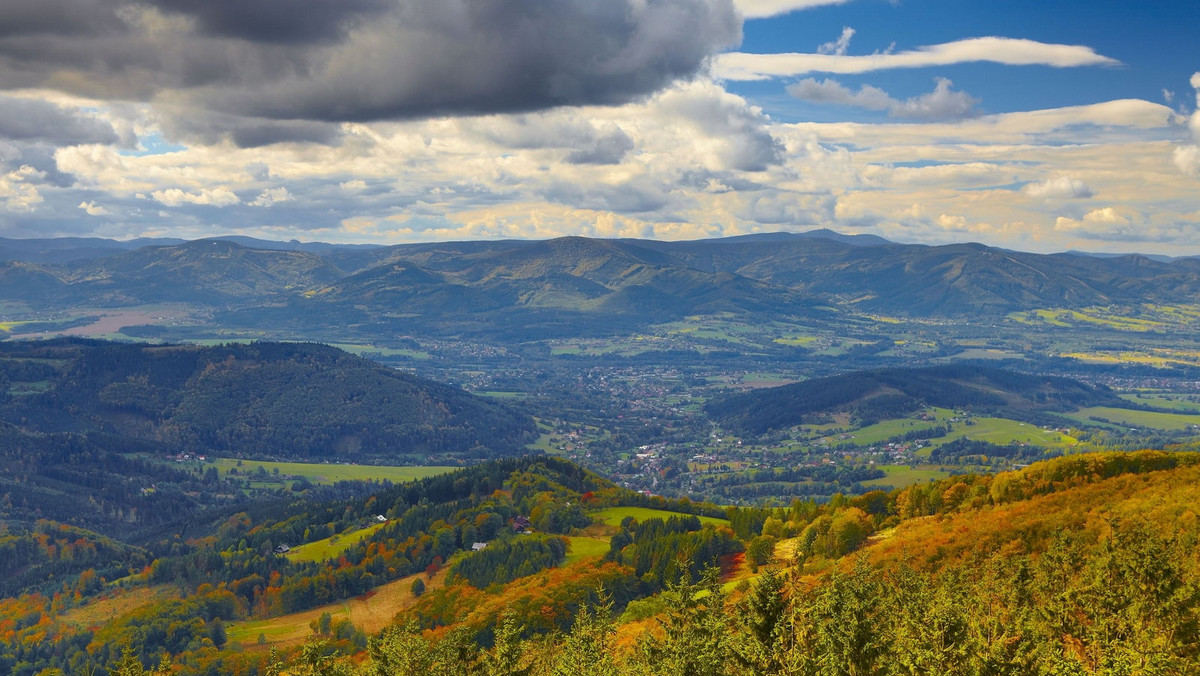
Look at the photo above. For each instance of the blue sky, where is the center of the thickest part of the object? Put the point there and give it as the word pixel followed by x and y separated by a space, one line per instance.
pixel 1154 43
pixel 1041 126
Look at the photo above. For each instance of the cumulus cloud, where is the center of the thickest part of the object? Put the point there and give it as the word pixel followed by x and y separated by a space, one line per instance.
pixel 217 197
pixel 1127 224
pixel 19 191
pixel 1063 187
pixel 943 103
pixel 1007 51
pixel 358 60
pixel 270 197
pixel 1187 157
pixel 93 209
pixel 731 134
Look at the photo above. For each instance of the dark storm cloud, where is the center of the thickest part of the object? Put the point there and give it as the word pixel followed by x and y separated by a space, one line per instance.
pixel 67 18
pixel 361 60
pixel 37 120
pixel 276 21
pixel 209 128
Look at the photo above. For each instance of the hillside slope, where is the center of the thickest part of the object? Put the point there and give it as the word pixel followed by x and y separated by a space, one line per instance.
pixel 285 400
pixel 868 396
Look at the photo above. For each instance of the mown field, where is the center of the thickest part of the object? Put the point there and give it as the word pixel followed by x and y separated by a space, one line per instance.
pixel 1151 419
pixel 1004 431
pixel 1178 402
pixel 903 476
pixel 613 515
pixel 584 547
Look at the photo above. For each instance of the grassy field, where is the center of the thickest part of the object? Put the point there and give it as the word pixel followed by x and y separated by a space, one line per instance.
pixel 1100 317
pixel 626 346
pixel 330 547
pixel 320 473
pixel 1176 402
pixel 797 341
pixel 583 548
pixel 901 476
pixel 103 610
pixel 613 515
pixel 370 612
pixel 1003 431
pixel 1159 421
pixel 873 434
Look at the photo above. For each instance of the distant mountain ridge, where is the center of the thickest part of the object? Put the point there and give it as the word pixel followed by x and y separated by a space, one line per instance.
pixel 578 284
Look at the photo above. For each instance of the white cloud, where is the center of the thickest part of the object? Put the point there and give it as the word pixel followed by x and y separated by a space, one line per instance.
pixel 838 47
pixel 760 9
pixel 1106 217
pixel 17 190
pixel 1063 187
pixel 93 209
pixel 698 161
pixel 174 197
pixel 270 197
pixel 1187 157
pixel 1007 51
pixel 943 103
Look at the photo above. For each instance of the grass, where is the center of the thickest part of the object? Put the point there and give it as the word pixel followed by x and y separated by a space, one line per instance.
pixel 583 548
pixel 873 434
pixel 320 473
pixel 105 610
pixel 371 612
pixel 331 547
pixel 1158 421
pixel 614 515
pixel 1164 401
pixel 797 341
pixel 1098 316
pixel 1003 431
pixel 623 346
pixel 902 476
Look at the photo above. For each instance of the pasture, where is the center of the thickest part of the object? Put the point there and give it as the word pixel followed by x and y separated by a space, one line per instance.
pixel 322 473
pixel 614 515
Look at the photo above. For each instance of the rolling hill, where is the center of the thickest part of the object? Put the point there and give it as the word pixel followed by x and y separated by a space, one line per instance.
pixel 869 396
pixel 285 400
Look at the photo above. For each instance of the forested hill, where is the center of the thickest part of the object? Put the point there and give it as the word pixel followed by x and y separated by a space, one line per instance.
pixel 870 396
pixel 282 400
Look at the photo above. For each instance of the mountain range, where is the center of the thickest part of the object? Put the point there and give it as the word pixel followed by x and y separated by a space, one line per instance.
pixel 577 285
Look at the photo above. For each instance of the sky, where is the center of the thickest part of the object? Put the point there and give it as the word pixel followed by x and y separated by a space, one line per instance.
pixel 1037 126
